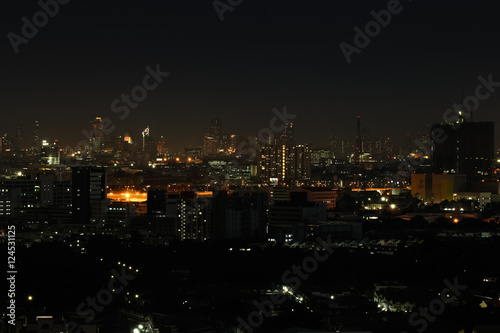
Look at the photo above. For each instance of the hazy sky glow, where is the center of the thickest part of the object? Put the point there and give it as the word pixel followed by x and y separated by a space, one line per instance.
pixel 260 57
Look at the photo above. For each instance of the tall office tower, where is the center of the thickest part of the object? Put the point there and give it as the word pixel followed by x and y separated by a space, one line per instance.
pixel 383 149
pixel 215 129
pixel 18 141
pixel 300 169
pixel 88 194
pixel 50 153
pixel 366 142
pixel 465 148
pixel 96 135
pixel 36 139
pixel 145 137
pixel 234 139
pixel 341 148
pixel 212 141
pixel 210 146
pixel 161 147
pixel 335 145
pixel 358 148
pixel 288 135
pixel 346 148
pixel 149 145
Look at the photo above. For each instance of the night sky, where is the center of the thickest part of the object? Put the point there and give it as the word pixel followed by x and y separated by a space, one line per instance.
pixel 265 54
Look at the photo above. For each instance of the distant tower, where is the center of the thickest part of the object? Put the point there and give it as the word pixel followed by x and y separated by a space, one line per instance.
pixel 161 147
pixel 36 139
pixel 212 141
pixel 145 137
pixel 97 135
pixel 215 128
pixel 18 146
pixel 288 135
pixel 357 151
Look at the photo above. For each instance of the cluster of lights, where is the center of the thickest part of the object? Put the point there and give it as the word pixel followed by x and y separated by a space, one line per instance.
pixel 129 267
pixel 128 196
pixel 138 329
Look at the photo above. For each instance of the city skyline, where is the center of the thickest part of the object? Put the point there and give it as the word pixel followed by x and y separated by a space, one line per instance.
pixel 239 70
pixel 250 166
pixel 28 138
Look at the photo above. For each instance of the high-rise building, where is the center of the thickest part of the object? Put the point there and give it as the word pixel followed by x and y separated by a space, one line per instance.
pixel 194 217
pixel 284 164
pixel 228 144
pixel 210 146
pixel 341 148
pixel 50 153
pixel 288 135
pixel 383 149
pixel 161 147
pixel 358 150
pixel 464 147
pixel 18 141
pixel 96 135
pixel 212 141
pixel 145 137
pixel 366 142
pixel 149 145
pixel 245 215
pixel 28 195
pixel 88 194
pixel 157 202
pixel 215 129
pixel 36 139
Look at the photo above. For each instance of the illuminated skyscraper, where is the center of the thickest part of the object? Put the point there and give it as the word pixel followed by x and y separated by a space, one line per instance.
pixel 212 140
pixel 49 153
pixel 284 164
pixel 35 149
pixel 145 137
pixel 288 135
pixel 215 129
pixel 194 217
pixel 97 135
pixel 161 147
pixel 358 148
